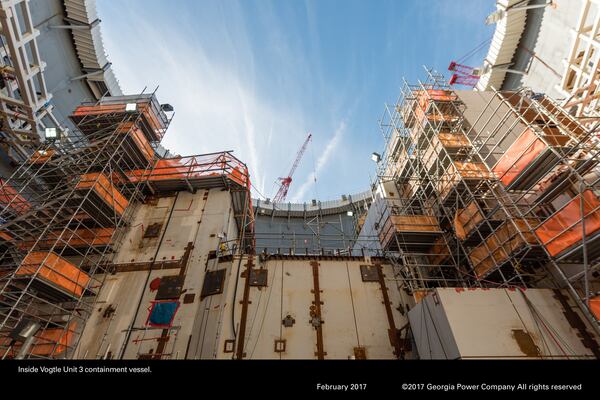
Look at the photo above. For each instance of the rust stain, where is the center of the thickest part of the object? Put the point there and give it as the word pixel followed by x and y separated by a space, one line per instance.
pixel 526 343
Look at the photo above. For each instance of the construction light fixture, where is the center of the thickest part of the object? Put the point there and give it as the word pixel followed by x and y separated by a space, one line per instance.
pixel 24 330
pixel 376 157
pixel 167 107
pixel 51 133
pixel 130 107
pixel 349 213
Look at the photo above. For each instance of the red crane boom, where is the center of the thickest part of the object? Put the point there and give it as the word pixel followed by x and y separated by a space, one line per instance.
pixel 285 182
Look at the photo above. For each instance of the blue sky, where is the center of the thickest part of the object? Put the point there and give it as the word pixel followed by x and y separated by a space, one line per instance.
pixel 256 76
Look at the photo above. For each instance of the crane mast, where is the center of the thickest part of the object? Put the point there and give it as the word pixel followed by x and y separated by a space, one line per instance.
pixel 285 182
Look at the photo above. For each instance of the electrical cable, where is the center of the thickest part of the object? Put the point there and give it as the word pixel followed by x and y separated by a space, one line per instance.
pixel 150 270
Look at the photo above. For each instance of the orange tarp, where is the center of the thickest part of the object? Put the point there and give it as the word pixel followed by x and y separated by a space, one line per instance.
pixel 420 106
pixel 51 341
pixel 507 239
pixel 145 108
pixel 56 270
pixel 81 237
pixel 523 152
pixel 415 223
pixel 439 252
pixel 595 306
pixel 453 139
pixel 563 229
pixel 191 167
pixel 101 185
pixel 164 169
pixel 407 223
pixel 458 170
pixel 419 295
pixel 129 128
pixel 99 109
pixel 5 236
pixel 9 197
pixel 466 219
pixel 41 156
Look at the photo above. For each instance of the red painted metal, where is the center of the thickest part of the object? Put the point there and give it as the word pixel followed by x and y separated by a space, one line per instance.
pixel 285 182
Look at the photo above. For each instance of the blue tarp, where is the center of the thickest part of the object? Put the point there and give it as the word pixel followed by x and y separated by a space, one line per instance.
pixel 163 313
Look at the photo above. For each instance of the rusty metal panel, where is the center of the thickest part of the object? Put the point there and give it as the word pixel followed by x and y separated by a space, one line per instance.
pixel 153 230
pixel 213 283
pixel 288 321
pixel 280 346
pixel 370 312
pixel 189 298
pixel 258 277
pixel 360 353
pixel 369 273
pixel 170 287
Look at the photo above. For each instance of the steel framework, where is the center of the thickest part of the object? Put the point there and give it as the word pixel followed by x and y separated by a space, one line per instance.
pixel 63 211
pixel 503 194
pixel 25 106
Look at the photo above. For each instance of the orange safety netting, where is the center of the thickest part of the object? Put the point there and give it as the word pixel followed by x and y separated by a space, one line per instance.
pixel 466 219
pixel 41 156
pixel 10 198
pixel 439 252
pixel 595 306
pixel 523 152
pixel 457 170
pixel 105 190
pixel 51 341
pixel 420 295
pixel 98 109
pixel 194 167
pixel 82 237
pixel 56 270
pixel 5 236
pixel 500 245
pixel 145 108
pixel 423 98
pixel 520 154
pixel 407 223
pixel 453 140
pixel 564 228
pixel 129 128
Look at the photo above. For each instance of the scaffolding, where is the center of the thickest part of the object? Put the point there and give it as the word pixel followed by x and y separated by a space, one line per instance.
pixel 25 102
pixel 63 211
pixel 490 189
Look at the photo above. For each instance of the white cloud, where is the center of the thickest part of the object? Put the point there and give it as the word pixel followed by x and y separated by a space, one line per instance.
pixel 216 104
pixel 333 143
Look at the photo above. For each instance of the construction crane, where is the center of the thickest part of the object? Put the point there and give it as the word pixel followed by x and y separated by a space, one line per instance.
pixel 285 182
pixel 463 74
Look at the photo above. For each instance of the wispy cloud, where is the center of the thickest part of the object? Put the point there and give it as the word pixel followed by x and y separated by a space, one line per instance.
pixel 322 161
pixel 217 104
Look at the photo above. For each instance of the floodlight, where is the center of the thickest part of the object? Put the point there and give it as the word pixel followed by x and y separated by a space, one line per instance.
pixel 376 157
pixel 130 107
pixel 51 133
pixel 349 213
